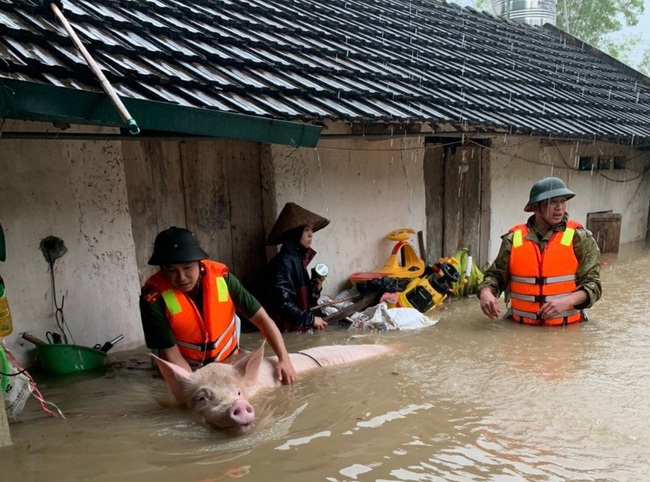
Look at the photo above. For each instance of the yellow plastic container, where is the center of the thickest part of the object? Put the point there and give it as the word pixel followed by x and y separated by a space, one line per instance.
pixel 6 325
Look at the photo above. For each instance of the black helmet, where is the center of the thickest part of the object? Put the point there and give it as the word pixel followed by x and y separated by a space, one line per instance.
pixel 547 188
pixel 176 245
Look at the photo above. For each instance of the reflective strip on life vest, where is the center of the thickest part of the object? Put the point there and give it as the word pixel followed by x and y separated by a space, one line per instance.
pixel 172 303
pixel 222 289
pixel 567 237
pixel 536 298
pixel 227 349
pixel 210 345
pixel 542 280
pixel 231 326
pixel 536 316
pixel 206 361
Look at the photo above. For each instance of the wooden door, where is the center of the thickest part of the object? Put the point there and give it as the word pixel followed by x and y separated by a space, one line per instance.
pixel 453 175
pixel 212 187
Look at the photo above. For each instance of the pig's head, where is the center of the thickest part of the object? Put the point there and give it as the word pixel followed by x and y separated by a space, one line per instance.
pixel 217 391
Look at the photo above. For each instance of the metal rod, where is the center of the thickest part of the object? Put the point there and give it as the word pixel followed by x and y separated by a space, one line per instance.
pixel 334 302
pixel 108 88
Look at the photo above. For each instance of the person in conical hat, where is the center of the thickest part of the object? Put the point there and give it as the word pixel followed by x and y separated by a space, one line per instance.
pixel 291 292
pixel 549 267
pixel 291 217
pixel 188 308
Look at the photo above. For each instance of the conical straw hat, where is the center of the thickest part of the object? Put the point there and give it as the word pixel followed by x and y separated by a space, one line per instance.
pixel 291 217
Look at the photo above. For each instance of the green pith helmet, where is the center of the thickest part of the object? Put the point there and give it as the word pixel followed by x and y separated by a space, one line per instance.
pixel 547 188
pixel 174 246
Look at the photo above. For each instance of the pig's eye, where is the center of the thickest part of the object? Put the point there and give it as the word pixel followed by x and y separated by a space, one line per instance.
pixel 239 393
pixel 202 396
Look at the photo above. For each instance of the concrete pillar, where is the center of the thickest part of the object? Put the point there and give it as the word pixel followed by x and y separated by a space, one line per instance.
pixel 5 436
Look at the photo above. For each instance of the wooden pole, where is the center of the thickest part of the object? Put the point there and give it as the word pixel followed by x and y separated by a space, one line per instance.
pixel 108 88
pixel 423 249
pixel 363 303
pixel 334 302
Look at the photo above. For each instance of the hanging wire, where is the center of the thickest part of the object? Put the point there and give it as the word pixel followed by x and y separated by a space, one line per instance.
pixel 60 318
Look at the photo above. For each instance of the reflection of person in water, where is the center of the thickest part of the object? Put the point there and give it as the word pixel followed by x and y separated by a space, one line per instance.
pixel 550 355
pixel 290 291
pixel 549 267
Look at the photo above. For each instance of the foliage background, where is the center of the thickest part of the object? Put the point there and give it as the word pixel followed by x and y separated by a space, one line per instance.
pixel 619 28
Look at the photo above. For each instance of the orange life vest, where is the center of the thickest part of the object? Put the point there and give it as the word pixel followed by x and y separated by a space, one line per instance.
pixel 201 339
pixel 540 276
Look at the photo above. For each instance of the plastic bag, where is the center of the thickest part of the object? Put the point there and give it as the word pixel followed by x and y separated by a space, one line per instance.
pixel 16 389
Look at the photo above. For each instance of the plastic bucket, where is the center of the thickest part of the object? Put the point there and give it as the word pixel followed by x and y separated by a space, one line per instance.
pixel 61 358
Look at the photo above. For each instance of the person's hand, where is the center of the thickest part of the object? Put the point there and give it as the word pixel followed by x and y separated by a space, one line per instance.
pixel 285 372
pixel 489 303
pixel 317 281
pixel 554 308
pixel 317 284
pixel 319 323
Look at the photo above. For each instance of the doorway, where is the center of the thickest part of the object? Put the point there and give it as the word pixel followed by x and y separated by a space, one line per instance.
pixel 453 174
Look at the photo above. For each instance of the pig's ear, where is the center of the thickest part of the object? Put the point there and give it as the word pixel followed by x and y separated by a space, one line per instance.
pixel 175 376
pixel 250 366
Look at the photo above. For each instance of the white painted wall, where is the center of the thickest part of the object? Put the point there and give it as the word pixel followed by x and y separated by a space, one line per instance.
pixel 365 187
pixel 518 162
pixel 74 190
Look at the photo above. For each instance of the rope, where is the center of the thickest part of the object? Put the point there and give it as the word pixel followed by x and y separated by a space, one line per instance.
pixel 309 356
pixel 5 358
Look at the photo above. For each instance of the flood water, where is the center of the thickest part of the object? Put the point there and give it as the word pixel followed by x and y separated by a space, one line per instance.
pixel 468 399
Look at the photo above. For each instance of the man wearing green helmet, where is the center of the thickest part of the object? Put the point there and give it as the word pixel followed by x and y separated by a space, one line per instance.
pixel 548 267
pixel 188 308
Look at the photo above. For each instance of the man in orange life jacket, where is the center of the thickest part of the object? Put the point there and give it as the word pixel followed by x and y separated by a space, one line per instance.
pixel 188 307
pixel 548 267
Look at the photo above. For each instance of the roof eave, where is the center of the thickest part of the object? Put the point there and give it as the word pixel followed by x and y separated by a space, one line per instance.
pixel 41 102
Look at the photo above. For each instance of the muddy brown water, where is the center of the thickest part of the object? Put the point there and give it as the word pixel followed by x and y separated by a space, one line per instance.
pixel 467 399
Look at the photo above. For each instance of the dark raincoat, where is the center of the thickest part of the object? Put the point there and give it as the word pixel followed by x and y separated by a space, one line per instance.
pixel 290 292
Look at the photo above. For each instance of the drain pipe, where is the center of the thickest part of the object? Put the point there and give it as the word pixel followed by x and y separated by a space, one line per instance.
pixel 57 6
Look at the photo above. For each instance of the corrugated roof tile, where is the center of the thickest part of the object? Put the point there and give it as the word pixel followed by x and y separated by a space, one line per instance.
pixel 413 61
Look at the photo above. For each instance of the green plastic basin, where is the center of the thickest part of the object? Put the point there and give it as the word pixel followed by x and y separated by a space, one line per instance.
pixel 61 358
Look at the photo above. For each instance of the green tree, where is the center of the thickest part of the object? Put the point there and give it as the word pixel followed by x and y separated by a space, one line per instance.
pixel 625 49
pixel 593 20
pixel 597 22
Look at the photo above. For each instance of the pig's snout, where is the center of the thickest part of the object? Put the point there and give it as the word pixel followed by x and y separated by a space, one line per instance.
pixel 241 412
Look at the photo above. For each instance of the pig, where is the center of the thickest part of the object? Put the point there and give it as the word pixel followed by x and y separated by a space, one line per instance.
pixel 220 392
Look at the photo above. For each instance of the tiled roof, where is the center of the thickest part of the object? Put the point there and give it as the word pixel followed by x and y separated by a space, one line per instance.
pixel 358 61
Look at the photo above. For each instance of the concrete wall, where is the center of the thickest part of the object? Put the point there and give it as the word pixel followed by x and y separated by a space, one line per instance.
pixel 365 187
pixel 74 190
pixel 518 162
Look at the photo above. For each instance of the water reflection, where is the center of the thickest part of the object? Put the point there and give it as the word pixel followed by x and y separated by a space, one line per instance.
pixel 466 399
